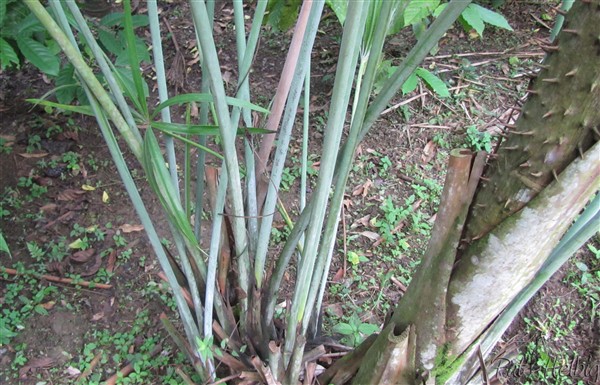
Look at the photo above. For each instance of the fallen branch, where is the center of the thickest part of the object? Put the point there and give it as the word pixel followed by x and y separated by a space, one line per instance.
pixel 53 278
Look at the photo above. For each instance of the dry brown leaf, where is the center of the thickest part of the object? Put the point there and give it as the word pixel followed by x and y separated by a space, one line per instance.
pixel 82 256
pixel 48 208
pixel 347 203
pixel 72 372
pixel 335 309
pixel 127 228
pixel 36 363
pixel 97 316
pixel 339 275
pixel 93 269
pixel 73 135
pixel 364 221
pixel 36 155
pixel 66 216
pixel 112 259
pixel 370 234
pixel 429 152
pixel 8 139
pixel 48 305
pixel 69 195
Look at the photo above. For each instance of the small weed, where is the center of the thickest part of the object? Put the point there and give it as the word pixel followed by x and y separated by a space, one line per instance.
pixel 478 141
pixel 354 331
pixel 35 190
pixel 34 143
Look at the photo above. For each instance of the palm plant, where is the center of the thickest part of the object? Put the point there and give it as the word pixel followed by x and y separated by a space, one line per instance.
pixel 238 313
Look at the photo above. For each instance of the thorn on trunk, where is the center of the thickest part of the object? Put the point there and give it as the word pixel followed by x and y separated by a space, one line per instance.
pixel 571 31
pixel 580 150
pixel 572 72
pixel 550 48
pixel 555 175
pixel 524 133
pixel 560 12
pixel 569 111
pixel 551 80
pixel 548 114
pixel 536 174
pixel 525 165
pixel 509 148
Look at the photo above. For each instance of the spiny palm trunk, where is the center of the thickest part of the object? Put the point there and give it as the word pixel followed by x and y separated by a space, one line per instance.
pixel 485 250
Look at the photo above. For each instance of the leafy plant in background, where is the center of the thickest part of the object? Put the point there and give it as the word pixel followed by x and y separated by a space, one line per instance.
pixel 22 33
pixel 218 303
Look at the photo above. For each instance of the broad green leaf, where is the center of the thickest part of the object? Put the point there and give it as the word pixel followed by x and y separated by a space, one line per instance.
pixel 116 19
pixel 84 110
pixel 368 329
pixel 30 25
pixel 282 14
pixel 417 10
pixel 344 329
pixel 196 97
pixel 2 10
pixel 39 55
pixel 108 39
pixel 472 17
pixel 340 8
pixel 436 84
pixel 4 245
pixel 438 11
pixel 65 85
pixel 410 84
pixel 7 55
pixel 491 17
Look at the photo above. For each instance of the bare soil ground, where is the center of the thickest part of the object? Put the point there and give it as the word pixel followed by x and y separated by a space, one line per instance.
pixel 64 331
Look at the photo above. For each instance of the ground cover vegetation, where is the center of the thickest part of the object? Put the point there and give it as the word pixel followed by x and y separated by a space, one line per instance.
pixel 249 275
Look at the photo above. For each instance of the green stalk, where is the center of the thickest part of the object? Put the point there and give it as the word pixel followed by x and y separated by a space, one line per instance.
pixel 353 30
pixel 203 119
pixel 376 41
pixel 416 55
pixel 188 320
pixel 87 76
pixel 104 65
pixel 134 61
pixel 305 125
pixel 228 133
pixel 161 79
pixel 283 142
pixel 213 257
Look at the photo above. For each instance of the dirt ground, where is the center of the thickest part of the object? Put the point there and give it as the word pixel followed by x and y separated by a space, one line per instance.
pixel 65 329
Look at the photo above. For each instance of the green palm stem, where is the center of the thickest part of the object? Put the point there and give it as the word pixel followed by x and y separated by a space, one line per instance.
pixel 161 82
pixel 349 50
pixel 104 64
pixel 376 42
pixel 228 133
pixel 203 119
pixel 284 138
